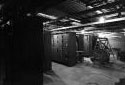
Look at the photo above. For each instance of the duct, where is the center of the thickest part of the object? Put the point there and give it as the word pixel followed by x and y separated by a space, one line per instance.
pixel 90 24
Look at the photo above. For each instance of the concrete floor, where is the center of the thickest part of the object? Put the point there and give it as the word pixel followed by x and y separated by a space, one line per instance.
pixel 85 74
pixel 81 74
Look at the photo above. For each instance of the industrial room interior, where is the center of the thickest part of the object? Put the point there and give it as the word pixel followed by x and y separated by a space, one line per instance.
pixel 62 42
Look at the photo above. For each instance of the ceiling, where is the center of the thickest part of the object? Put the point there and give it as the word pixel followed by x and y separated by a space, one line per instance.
pixel 88 11
pixel 76 14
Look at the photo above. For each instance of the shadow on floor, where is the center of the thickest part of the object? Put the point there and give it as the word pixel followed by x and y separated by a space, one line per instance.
pixel 115 66
pixel 51 78
pixel 24 78
pixel 122 82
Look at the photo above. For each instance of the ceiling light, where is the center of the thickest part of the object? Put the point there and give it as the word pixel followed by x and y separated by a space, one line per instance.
pixel 105 10
pixel 98 12
pixel 29 14
pixel 101 19
pixel 115 36
pixel 89 28
pixel 46 16
pixel 75 20
pixel 110 1
pixel 111 15
pixel 64 20
pixel 85 32
pixel 76 23
pixel 122 13
pixel 89 7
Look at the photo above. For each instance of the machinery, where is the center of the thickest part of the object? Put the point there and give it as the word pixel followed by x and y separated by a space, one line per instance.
pixel 64 48
pixel 102 51
pixel 121 56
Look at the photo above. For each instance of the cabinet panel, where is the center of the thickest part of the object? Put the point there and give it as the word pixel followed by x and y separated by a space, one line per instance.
pixel 47 52
pixel 65 48
pixel 80 42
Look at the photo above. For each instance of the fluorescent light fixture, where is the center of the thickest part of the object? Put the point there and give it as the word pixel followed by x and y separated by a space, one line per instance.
pixel 89 7
pixel 111 15
pixel 110 1
pixel 76 23
pixel 102 35
pixel 89 28
pixel 83 31
pixel 28 14
pixel 64 20
pixel 98 12
pixel 102 19
pixel 8 22
pixel 115 36
pixel 49 22
pixel 75 20
pixel 122 13
pixel 115 20
pixel 104 10
pixel 46 16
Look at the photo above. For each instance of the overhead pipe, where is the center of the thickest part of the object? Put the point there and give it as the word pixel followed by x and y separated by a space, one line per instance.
pixel 90 24
pixel 108 5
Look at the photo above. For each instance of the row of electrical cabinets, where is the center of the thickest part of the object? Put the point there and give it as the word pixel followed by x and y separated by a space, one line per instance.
pixel 64 48
pixel 85 42
pixel 66 45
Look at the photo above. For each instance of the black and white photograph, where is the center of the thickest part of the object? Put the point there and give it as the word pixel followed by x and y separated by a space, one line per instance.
pixel 62 42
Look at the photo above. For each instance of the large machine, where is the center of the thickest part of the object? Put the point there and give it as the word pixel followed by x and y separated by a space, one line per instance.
pixel 102 51
pixel 64 48
pixel 70 48
pixel 95 48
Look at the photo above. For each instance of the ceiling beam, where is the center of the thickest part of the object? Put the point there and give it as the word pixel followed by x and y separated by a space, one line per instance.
pixel 104 14
pixel 108 5
pixel 90 24
pixel 92 3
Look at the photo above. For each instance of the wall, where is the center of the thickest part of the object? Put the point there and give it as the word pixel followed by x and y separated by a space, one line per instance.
pixel 116 40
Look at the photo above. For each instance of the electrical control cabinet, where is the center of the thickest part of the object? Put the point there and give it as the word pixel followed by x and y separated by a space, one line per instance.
pixel 64 48
pixel 47 65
